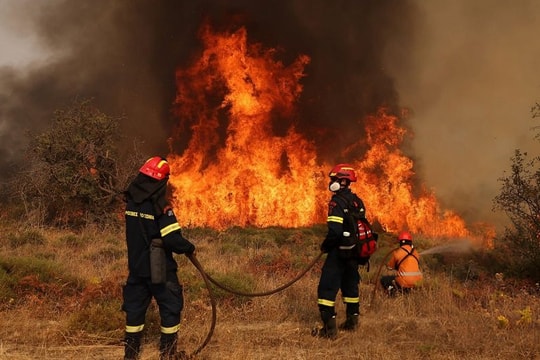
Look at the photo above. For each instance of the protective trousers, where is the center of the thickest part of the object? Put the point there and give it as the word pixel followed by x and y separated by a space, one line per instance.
pixel 137 294
pixel 339 274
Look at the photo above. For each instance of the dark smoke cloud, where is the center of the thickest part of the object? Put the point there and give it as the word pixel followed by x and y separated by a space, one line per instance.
pixel 124 53
pixel 364 54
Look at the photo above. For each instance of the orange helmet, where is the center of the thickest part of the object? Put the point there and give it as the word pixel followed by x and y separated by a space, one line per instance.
pixel 343 171
pixel 156 167
pixel 404 235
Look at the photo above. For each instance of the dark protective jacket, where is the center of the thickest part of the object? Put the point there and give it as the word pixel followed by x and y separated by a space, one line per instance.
pixel 337 220
pixel 144 223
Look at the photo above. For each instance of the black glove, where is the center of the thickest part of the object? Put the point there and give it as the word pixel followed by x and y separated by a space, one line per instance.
pixel 326 245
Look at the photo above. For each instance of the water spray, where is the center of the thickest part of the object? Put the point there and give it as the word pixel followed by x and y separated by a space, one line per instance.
pixel 459 246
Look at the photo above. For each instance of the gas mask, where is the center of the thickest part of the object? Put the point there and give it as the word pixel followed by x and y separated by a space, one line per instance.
pixel 334 186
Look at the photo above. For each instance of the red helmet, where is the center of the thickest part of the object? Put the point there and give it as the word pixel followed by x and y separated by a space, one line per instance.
pixel 404 235
pixel 156 167
pixel 343 171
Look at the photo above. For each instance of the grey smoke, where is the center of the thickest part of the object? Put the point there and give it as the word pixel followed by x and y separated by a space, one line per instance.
pixel 454 246
pixel 471 79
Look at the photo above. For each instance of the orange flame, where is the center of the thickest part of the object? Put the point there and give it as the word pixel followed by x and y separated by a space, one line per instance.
pixel 255 177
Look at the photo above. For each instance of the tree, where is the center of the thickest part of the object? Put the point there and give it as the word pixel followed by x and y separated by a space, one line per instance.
pixel 520 200
pixel 75 172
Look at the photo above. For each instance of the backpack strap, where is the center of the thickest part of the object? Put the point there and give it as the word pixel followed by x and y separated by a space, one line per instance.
pixel 346 211
pixel 406 256
pixel 347 202
pixel 143 230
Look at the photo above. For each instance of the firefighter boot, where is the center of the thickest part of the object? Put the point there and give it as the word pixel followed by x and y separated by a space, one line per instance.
pixel 132 346
pixel 167 347
pixel 351 323
pixel 329 329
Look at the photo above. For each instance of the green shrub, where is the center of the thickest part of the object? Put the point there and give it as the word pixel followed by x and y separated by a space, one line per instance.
pixel 99 317
pixel 107 254
pixel 239 282
pixel 230 248
pixel 71 241
pixel 6 287
pixel 30 237
pixel 31 273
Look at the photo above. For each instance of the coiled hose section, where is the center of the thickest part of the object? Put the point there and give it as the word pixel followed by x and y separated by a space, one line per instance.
pixel 208 279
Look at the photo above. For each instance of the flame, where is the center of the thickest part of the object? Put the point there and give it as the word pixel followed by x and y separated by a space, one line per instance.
pixel 236 170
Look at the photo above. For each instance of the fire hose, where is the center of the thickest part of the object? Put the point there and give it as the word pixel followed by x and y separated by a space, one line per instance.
pixel 208 279
pixel 378 274
pixel 199 267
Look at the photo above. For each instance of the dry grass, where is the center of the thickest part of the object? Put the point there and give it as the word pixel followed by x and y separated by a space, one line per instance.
pixel 81 318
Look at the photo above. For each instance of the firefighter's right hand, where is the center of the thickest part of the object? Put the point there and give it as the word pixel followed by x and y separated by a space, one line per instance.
pixel 325 248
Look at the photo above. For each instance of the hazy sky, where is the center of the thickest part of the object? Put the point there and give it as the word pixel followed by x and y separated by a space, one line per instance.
pixel 468 70
pixel 18 42
pixel 473 76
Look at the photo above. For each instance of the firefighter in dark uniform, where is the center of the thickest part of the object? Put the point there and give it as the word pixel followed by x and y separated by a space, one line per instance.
pixel 148 216
pixel 340 269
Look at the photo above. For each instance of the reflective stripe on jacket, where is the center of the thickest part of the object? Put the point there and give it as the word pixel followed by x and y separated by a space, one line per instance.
pixel 142 225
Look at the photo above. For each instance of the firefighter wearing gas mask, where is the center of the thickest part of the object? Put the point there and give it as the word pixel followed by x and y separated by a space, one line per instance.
pixel 339 272
pixel 152 228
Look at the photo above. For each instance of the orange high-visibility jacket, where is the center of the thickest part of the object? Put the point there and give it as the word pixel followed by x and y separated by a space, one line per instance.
pixel 405 261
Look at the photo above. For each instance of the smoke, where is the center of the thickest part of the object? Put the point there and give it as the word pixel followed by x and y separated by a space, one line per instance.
pixel 123 54
pixel 465 70
pixel 457 246
pixel 471 79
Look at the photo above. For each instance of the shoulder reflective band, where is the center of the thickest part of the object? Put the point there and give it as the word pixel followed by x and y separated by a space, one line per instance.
pixel 335 219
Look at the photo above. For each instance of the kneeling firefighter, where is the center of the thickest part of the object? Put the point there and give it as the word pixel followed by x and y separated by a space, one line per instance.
pixel 405 263
pixel 340 269
pixel 152 235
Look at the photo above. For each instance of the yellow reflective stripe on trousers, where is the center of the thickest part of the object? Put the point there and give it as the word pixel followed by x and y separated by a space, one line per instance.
pixel 335 219
pixel 170 330
pixel 169 229
pixel 134 329
pixel 351 300
pixel 326 302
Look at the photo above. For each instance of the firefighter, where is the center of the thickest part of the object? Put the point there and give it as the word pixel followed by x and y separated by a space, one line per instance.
pixel 340 269
pixel 148 217
pixel 405 263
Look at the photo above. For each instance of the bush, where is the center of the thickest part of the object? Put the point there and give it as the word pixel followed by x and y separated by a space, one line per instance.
pixel 98 317
pixel 239 282
pixel 520 200
pixel 31 237
pixel 75 172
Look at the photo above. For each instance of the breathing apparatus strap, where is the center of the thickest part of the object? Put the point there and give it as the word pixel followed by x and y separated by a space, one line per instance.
pixel 143 230
pixel 406 256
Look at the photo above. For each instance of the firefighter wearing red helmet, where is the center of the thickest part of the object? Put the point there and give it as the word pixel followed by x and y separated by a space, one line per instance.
pixel 151 226
pixel 405 263
pixel 340 269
